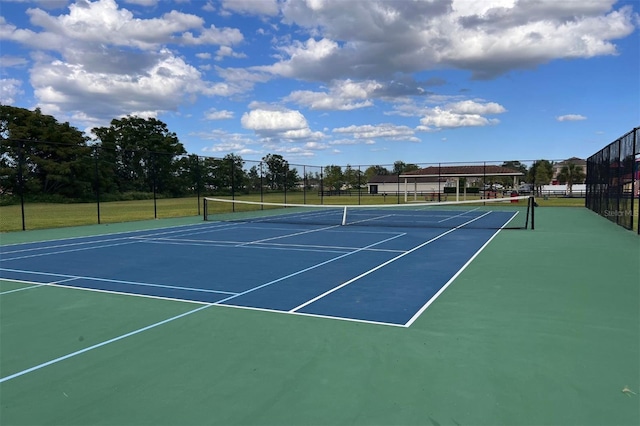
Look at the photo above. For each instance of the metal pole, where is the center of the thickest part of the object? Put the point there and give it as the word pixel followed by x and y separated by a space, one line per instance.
pixel 321 185
pixel 198 181
pixel 359 184
pixel 153 183
pixel 233 192
pixel 21 181
pixel 97 178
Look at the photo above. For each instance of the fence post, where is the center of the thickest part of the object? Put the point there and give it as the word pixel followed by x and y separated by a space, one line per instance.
pixel 97 179
pixel 21 181
pixel 321 185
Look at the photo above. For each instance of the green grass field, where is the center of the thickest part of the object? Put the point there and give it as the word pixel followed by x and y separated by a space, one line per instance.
pixel 55 215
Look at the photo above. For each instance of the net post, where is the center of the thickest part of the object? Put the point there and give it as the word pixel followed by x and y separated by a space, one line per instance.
pixel 532 201
pixel 204 208
pixel 344 216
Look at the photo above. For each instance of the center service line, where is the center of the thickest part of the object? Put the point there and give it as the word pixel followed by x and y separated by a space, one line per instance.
pixel 383 264
pixel 309 268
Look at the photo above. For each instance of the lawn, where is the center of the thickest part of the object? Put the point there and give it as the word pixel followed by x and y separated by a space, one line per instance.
pixel 55 215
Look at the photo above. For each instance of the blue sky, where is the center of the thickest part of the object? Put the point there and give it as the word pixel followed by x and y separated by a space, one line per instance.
pixel 336 81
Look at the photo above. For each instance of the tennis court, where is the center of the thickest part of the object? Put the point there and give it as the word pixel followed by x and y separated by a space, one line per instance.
pixel 268 321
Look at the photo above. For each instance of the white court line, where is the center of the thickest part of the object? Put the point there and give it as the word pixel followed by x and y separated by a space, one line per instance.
pixel 149 327
pixel 96 290
pixel 235 245
pixel 444 287
pixel 69 251
pixel 458 215
pixel 115 238
pixel 108 234
pixel 287 235
pixel 304 314
pixel 32 286
pixel 130 240
pixel 22 288
pixel 98 345
pixel 275 246
pixel 364 274
pixel 172 287
pixel 31 249
pixel 309 268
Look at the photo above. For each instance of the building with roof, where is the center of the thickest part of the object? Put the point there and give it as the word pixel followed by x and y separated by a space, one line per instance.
pixel 453 174
pixel 392 184
pixel 557 168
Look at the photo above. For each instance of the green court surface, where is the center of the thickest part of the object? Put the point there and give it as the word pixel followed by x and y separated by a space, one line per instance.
pixel 542 328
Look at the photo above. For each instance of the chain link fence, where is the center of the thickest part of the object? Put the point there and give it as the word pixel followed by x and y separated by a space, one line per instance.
pixel 613 179
pixel 45 184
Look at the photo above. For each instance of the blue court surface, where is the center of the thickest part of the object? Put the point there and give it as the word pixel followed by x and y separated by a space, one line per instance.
pixel 370 274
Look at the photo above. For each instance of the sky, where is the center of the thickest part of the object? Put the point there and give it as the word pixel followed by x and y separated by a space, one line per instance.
pixel 336 82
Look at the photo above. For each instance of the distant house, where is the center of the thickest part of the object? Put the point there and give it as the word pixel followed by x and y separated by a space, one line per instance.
pixel 557 168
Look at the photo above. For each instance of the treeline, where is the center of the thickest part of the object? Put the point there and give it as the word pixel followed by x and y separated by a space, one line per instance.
pixel 134 157
pixel 137 158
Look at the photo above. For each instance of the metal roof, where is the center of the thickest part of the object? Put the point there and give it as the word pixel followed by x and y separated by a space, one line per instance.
pixel 462 171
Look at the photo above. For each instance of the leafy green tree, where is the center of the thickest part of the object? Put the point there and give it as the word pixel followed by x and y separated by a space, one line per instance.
pixel 54 157
pixel 254 181
pixel 141 152
pixel 400 167
pixel 517 166
pixel 189 175
pixel 375 171
pixel 312 180
pixel 231 172
pixel 333 178
pixel 353 177
pixel 540 174
pixel 571 173
pixel 279 175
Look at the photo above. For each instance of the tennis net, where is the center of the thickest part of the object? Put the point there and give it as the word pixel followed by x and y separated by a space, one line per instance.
pixel 496 213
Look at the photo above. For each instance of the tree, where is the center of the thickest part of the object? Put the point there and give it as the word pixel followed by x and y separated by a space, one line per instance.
pixel 571 173
pixel 333 178
pixel 141 152
pixel 254 179
pixel 279 176
pixel 231 172
pixel 353 178
pixel 53 158
pixel 540 174
pixel 517 166
pixel 400 167
pixel 375 171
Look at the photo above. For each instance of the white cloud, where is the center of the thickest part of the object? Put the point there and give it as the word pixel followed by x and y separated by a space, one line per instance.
pixel 213 35
pixel 226 51
pixel 9 90
pixel 438 118
pixel 571 117
pixel 252 7
pixel 473 107
pixel 343 95
pixel 9 61
pixel 262 120
pixel 214 114
pixel 68 87
pixel 377 39
pixel 385 130
pixel 279 125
